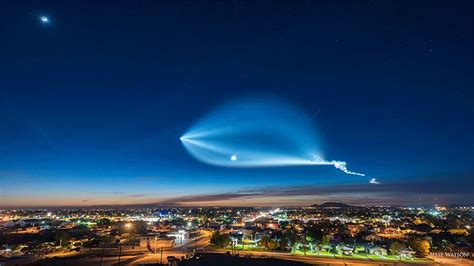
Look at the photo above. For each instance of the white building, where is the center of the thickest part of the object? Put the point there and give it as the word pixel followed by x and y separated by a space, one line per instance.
pixel 179 235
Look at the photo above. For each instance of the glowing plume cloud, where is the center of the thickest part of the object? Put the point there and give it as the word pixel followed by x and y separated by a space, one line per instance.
pixel 374 181
pixel 257 133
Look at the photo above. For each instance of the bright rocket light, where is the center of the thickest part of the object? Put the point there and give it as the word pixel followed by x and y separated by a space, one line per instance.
pixel 44 19
pixel 257 133
pixel 374 181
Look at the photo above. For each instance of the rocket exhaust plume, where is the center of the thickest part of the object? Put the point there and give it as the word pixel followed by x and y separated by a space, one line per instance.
pixel 257 133
pixel 341 165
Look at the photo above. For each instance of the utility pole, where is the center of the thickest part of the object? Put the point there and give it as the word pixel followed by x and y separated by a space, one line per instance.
pixel 161 255
pixel 120 253
pixel 102 256
pixel 233 247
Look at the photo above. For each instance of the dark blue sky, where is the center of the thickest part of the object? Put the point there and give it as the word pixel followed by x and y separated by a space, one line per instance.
pixel 92 104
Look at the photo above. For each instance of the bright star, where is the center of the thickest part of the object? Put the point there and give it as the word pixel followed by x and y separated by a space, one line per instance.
pixel 233 157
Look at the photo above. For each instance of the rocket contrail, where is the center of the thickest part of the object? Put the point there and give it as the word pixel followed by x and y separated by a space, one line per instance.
pixel 257 133
pixel 341 165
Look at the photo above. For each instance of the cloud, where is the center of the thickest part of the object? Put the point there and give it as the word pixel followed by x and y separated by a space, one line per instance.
pixel 136 196
pixel 206 198
pixel 425 190
pixel 106 192
pixel 396 193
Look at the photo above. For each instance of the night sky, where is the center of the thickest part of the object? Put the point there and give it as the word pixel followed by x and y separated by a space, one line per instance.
pixel 94 100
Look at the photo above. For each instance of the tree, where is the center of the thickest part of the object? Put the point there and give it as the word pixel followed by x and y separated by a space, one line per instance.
pixel 304 243
pixel 421 247
pixel 283 243
pixel 140 227
pixel 325 239
pixel 245 241
pixel 104 223
pixel 338 249
pixel 422 227
pixel 311 242
pixel 91 243
pixel 62 238
pixel 264 241
pixel 272 245
pixel 316 233
pixel 215 238
pixel 395 247
pixel 292 236
pixel 470 238
pixel 79 231
pixel 220 240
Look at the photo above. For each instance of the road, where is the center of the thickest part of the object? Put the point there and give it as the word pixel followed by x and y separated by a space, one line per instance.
pixel 178 251
pixel 453 261
pixel 313 260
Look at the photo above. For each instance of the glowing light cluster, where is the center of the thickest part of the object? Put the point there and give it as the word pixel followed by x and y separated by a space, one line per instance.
pixel 44 19
pixel 257 133
pixel 374 181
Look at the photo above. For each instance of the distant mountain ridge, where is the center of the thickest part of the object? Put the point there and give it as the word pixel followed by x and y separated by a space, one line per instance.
pixel 331 205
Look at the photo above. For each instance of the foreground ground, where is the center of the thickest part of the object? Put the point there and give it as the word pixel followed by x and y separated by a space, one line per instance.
pixel 143 256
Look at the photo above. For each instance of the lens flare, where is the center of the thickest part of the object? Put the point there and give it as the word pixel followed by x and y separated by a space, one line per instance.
pixel 257 133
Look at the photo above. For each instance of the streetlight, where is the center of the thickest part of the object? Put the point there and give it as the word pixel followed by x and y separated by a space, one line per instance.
pixel 120 252
pixel 127 227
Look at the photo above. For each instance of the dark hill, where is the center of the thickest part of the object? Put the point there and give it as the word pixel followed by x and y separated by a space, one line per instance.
pixel 331 205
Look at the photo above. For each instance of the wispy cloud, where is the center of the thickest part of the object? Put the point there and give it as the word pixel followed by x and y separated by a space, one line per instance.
pixel 400 193
pixel 420 190
pixel 106 192
pixel 136 195
pixel 207 198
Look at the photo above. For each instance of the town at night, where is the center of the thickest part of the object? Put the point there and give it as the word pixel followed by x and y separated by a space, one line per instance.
pixel 329 233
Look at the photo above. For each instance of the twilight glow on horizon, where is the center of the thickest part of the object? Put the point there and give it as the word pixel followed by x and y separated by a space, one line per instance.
pixel 236 104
